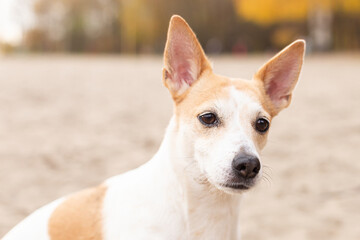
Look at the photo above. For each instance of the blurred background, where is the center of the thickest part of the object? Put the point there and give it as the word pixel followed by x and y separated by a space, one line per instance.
pixel 139 26
pixel 81 100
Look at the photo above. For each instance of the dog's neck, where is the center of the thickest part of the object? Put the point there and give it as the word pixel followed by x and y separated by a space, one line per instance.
pixel 204 204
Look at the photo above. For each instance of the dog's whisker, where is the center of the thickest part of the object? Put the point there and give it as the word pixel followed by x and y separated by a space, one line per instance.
pixel 267 176
pixel 266 180
pixel 267 167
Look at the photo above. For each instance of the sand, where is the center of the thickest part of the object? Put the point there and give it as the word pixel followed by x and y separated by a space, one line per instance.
pixel 69 122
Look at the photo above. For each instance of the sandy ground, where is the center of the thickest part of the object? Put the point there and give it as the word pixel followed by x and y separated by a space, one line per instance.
pixel 69 122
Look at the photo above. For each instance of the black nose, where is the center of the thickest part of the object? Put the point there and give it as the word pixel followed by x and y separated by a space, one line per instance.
pixel 245 165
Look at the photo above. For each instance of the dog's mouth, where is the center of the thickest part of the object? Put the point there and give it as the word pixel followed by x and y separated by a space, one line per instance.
pixel 234 186
pixel 239 186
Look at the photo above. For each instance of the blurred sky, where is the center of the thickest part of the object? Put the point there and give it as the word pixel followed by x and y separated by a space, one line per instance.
pixel 14 16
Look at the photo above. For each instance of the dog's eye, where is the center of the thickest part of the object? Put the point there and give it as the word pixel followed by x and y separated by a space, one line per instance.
pixel 262 125
pixel 208 119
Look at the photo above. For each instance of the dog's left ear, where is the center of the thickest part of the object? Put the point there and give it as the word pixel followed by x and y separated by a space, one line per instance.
pixel 278 77
pixel 184 58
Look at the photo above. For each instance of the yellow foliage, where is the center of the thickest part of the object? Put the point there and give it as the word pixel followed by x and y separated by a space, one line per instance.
pixel 350 6
pixel 271 11
pixel 282 36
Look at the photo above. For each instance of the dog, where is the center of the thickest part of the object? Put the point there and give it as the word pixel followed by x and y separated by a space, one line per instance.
pixel 210 154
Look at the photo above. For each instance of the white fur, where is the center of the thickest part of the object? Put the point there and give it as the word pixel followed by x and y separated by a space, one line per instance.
pixel 35 226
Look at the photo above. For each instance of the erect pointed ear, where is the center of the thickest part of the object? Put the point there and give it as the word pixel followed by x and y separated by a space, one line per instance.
pixel 184 58
pixel 279 76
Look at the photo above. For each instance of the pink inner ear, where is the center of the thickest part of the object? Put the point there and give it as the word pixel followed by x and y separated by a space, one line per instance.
pixel 181 71
pixel 280 79
pixel 182 59
pixel 183 74
pixel 280 84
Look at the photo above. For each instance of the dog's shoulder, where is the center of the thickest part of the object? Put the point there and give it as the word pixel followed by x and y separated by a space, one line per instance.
pixel 79 216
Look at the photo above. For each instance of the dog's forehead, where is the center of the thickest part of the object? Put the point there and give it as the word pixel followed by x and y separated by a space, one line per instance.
pixel 221 91
pixel 242 99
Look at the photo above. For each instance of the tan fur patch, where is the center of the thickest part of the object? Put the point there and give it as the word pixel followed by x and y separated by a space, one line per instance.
pixel 208 86
pixel 211 86
pixel 79 217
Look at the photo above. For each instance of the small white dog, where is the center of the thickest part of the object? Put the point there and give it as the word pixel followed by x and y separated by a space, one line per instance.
pixel 210 154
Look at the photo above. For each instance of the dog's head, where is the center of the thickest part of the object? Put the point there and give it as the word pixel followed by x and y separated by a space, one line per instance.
pixel 222 123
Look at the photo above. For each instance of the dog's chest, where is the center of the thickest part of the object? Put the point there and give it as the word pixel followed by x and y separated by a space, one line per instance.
pixel 139 205
pixel 152 209
pixel 213 220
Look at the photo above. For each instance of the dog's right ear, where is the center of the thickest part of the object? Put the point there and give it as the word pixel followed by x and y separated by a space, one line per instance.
pixel 184 58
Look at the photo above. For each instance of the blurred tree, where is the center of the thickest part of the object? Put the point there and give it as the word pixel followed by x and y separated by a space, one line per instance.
pixel 137 23
pixel 139 26
pixel 6 48
pixel 128 25
pixel 77 25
